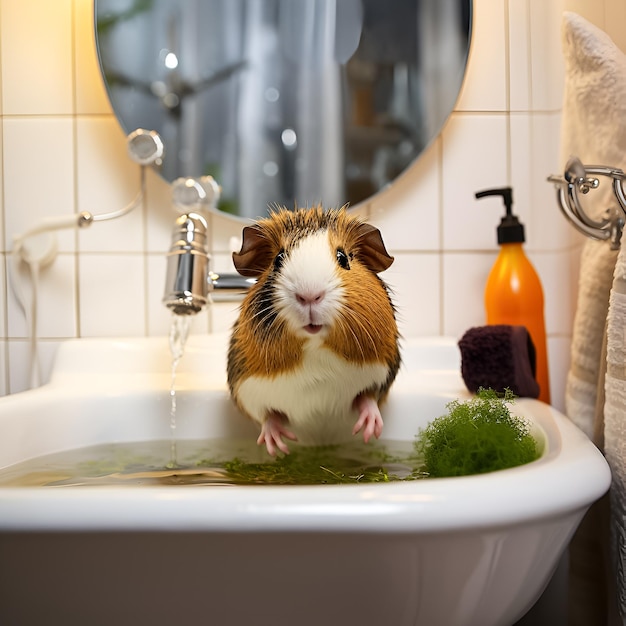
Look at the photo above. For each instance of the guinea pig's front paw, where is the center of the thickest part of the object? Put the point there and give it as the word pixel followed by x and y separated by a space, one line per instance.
pixel 272 432
pixel 370 419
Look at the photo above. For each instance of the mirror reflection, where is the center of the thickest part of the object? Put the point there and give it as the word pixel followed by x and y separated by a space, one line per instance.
pixel 285 101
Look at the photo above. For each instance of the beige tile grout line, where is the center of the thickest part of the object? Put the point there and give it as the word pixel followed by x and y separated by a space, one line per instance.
pixel 144 250
pixel 441 252
pixel 5 285
pixel 507 90
pixel 75 172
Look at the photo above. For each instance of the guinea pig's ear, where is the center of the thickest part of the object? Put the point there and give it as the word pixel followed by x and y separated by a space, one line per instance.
pixel 255 255
pixel 372 251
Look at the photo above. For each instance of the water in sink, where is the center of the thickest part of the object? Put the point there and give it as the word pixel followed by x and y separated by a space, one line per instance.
pixel 215 462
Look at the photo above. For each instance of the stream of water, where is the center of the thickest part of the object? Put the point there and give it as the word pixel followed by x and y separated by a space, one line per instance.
pixel 179 331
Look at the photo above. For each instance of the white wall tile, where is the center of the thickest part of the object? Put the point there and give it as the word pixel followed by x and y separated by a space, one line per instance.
pixel 36 43
pixel 160 214
pixel 2 211
pixel 91 96
pixel 546 59
pixel 474 158
pixel 407 213
pixel 522 182
pixel 56 299
pixel 519 55
pixel 535 141
pixel 19 357
pixel 484 88
pixel 222 262
pixel 414 280
pixel 1 88
pixel 223 316
pixel 159 318
pixel 38 174
pixel 4 380
pixel 223 229
pixel 559 359
pixel 615 20
pixel 3 296
pixel 107 181
pixel 591 10
pixel 20 366
pixel 112 295
pixel 464 280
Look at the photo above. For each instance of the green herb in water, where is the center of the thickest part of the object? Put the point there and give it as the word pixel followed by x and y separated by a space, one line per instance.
pixel 320 465
pixel 477 436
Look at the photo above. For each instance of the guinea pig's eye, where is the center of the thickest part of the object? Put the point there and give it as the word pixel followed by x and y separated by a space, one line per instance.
pixel 342 259
pixel 279 260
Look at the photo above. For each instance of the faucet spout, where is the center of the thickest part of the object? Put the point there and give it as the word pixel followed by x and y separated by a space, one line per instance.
pixel 186 284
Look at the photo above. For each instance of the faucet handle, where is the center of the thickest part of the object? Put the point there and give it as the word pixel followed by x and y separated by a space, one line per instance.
pixel 195 194
pixel 145 147
pixel 213 191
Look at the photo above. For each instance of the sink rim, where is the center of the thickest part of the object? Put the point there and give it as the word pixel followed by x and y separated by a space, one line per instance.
pixel 516 495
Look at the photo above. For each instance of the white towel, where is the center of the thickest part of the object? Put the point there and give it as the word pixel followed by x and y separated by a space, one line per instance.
pixel 615 420
pixel 594 129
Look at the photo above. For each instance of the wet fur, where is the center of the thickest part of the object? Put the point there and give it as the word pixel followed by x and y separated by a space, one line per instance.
pixel 364 331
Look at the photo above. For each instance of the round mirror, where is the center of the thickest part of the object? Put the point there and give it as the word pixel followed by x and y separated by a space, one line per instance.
pixel 285 101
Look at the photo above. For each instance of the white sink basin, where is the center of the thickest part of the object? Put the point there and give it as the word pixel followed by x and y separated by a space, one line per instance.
pixel 471 550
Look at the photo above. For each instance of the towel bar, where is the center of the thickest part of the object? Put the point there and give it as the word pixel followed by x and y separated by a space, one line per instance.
pixel 581 179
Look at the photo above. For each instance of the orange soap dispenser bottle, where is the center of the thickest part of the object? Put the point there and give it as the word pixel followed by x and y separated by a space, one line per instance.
pixel 513 294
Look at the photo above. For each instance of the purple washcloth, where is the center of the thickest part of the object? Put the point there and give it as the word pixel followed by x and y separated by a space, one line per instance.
pixel 499 356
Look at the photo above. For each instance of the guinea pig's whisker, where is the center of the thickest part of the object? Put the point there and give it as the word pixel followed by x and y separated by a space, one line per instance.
pixel 367 332
pixel 352 320
pixel 356 340
pixel 262 313
pixel 267 309
pixel 260 318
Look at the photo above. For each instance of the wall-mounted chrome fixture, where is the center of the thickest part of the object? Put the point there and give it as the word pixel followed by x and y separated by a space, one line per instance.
pixel 195 194
pixel 144 148
pixel 186 281
pixel 189 280
pixel 581 179
pixel 36 248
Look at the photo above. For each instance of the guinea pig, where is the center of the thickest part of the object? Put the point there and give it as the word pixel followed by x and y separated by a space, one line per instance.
pixel 315 347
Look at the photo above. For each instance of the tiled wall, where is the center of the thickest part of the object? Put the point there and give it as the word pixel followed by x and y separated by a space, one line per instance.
pixel 63 152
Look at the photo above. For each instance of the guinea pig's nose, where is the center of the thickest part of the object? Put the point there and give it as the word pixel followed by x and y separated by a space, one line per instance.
pixel 306 298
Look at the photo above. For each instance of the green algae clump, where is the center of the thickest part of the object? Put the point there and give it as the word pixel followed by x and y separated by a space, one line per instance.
pixel 476 436
pixel 322 465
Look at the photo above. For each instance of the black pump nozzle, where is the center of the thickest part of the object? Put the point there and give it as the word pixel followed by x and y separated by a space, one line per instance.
pixel 510 230
pixel 505 192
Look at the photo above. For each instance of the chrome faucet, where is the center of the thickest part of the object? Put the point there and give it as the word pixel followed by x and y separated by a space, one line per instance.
pixel 189 280
pixel 186 282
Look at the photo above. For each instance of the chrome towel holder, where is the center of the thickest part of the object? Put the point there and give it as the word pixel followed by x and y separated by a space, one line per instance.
pixel 581 179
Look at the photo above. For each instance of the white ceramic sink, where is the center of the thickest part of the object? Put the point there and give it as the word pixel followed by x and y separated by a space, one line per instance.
pixel 471 550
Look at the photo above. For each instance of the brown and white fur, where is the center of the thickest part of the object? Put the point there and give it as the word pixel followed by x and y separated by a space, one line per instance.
pixel 315 347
